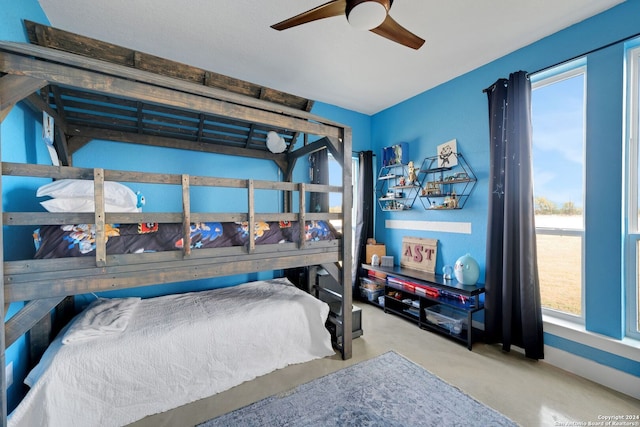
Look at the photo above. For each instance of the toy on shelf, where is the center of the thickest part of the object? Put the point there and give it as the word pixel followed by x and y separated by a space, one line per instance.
pixel 447 187
pixel 399 181
pixel 413 177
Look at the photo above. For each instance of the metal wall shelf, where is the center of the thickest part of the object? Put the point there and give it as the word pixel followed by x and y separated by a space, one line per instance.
pixel 446 188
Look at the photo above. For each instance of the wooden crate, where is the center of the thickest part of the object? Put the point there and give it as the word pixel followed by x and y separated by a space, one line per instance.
pixel 378 249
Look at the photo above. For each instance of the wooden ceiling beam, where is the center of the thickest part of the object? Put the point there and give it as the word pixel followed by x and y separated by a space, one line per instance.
pixel 200 126
pixel 91 80
pixel 250 136
pixel 74 143
pixel 336 149
pixel 37 104
pixel 55 38
pixel 28 316
pixel 14 88
pixel 158 141
pixel 61 130
pixel 328 143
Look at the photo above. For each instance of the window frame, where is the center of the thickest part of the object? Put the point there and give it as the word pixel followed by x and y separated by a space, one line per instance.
pixel 631 188
pixel 355 171
pixel 538 80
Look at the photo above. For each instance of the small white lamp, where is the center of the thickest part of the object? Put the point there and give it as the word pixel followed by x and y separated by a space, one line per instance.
pixel 275 143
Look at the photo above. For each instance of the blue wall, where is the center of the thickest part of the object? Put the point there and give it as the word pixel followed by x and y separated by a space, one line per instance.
pixel 360 123
pixel 458 109
pixel 454 110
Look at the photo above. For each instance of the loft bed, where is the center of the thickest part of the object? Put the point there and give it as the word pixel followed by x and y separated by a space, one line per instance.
pixel 95 90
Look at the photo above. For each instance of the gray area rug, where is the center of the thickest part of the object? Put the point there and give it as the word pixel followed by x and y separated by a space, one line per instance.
pixel 388 390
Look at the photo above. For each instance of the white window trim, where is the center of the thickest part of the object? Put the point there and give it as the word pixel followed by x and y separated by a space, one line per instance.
pixel 630 195
pixel 539 80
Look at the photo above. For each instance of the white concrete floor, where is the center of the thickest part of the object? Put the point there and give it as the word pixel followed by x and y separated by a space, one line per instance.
pixel 530 393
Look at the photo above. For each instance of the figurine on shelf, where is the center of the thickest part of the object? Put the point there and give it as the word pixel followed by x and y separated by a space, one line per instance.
pixel 412 173
pixel 453 201
pixel 431 189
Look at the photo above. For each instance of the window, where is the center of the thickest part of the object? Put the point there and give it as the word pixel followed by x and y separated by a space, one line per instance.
pixel 632 197
pixel 335 199
pixel 557 114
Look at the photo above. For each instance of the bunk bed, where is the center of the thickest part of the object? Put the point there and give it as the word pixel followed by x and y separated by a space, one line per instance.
pixel 99 91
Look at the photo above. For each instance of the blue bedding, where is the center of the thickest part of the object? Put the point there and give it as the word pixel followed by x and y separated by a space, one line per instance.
pixel 53 241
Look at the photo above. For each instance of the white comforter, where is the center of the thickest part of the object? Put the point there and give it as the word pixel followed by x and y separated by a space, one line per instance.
pixel 175 349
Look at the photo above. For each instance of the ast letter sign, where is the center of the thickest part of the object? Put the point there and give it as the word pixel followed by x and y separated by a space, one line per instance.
pixel 419 253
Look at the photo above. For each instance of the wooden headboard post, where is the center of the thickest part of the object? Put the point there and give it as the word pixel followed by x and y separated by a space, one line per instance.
pixel 186 217
pixel 347 244
pixel 101 239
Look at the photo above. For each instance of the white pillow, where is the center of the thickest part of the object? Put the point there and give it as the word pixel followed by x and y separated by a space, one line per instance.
pixel 114 192
pixel 103 317
pixel 63 204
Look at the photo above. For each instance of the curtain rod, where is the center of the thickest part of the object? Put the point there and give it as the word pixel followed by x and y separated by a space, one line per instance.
pixel 624 39
pixel 490 88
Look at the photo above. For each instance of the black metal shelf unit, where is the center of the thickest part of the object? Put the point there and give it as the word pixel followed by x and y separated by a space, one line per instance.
pixel 446 187
pixel 394 191
pixel 432 302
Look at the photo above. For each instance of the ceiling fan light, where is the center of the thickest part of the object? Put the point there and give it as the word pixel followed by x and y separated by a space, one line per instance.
pixel 367 15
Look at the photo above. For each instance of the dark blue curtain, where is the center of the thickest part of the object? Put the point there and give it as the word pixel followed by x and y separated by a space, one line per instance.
pixel 363 204
pixel 513 314
pixel 319 174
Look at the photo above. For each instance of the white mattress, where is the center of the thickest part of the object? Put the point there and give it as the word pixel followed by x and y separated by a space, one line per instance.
pixel 175 349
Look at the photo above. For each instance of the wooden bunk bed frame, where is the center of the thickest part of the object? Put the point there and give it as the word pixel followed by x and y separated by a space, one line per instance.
pixel 88 87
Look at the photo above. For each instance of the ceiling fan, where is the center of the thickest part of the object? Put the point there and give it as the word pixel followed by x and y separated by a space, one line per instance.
pixel 372 15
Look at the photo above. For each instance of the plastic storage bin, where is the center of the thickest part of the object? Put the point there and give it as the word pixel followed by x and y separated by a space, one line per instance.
pixel 371 289
pixel 446 317
pixel 371 294
pixel 371 284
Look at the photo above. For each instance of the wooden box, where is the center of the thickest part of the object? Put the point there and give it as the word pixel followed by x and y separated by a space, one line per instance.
pixel 379 249
pixel 419 253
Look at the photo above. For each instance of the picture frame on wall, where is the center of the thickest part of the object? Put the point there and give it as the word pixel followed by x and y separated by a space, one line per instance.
pixel 447 154
pixel 397 154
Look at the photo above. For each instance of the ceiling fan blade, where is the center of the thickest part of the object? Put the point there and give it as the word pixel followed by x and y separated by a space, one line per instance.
pixel 327 10
pixel 393 31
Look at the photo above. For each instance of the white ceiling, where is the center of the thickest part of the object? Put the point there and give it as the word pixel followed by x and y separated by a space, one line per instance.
pixel 325 60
